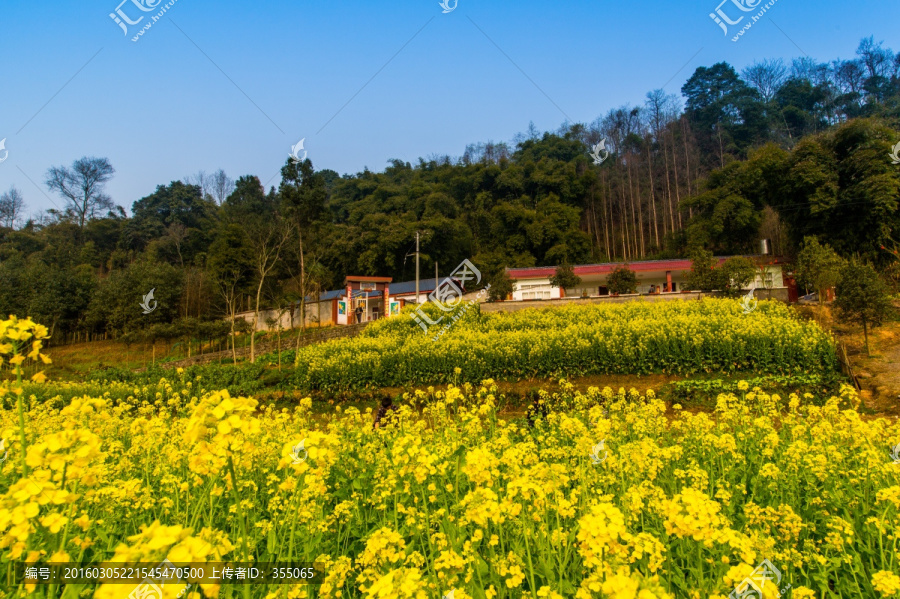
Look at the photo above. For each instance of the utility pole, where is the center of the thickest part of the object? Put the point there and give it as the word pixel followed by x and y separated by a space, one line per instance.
pixel 417 268
pixel 435 274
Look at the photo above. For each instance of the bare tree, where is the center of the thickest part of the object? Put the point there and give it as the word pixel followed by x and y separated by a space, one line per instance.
pixel 849 76
pixel 807 68
pixel 201 180
pixel 766 76
pixel 82 187
pixel 12 205
pixel 655 108
pixel 221 186
pixel 879 61
pixel 267 238
pixel 228 283
pixel 177 232
pixel 41 218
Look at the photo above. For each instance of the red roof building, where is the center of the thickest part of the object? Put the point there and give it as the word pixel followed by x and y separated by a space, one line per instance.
pixel 654 276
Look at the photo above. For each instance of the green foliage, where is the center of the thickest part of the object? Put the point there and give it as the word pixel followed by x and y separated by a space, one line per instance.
pixel 50 294
pixel 862 297
pixel 839 186
pixel 737 272
pixel 248 203
pixel 117 302
pixel 245 379
pixel 835 184
pixel 622 280
pixel 303 193
pixel 703 275
pixel 725 221
pixel 188 329
pixel 502 286
pixel 565 277
pixel 818 266
pixel 174 223
pixel 707 390
pixel 726 111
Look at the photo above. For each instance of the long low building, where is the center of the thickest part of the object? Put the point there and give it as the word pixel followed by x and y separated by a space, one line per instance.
pixel 654 276
pixel 365 298
pixel 375 297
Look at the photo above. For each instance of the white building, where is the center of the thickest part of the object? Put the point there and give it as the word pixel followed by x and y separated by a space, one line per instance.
pixel 654 276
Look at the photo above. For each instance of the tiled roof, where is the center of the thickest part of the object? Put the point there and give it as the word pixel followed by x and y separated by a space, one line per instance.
pixel 426 286
pixel 406 287
pixel 339 293
pixel 543 272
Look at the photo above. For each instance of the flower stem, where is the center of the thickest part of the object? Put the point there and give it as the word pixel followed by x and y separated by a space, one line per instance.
pixel 20 406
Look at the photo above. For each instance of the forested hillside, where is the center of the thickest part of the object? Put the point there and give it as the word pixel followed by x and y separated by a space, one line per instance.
pixel 781 151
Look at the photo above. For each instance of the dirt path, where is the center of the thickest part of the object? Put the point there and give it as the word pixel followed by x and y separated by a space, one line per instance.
pixel 878 375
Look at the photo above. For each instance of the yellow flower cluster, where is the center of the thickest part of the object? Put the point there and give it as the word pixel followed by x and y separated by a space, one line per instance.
pixel 454 496
pixel 21 340
pixel 713 335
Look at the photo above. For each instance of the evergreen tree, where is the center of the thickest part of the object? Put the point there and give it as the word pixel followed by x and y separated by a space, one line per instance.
pixel 862 297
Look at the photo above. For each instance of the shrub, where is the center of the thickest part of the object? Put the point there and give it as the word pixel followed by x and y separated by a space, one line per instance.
pixel 622 280
pixel 565 277
pixel 737 273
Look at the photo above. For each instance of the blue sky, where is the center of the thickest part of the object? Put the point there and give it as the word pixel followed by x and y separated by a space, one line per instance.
pixel 234 85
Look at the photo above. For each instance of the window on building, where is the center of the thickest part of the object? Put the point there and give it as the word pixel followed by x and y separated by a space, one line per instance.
pixel 538 291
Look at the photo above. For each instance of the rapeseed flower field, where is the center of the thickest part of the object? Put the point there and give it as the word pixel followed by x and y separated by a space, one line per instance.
pixel 677 337
pixel 611 494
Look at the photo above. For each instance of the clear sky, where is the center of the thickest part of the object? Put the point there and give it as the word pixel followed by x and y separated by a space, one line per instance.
pixel 234 85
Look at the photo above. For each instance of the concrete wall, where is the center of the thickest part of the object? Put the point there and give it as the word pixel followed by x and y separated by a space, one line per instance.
pixel 530 287
pixel 644 281
pixel 317 314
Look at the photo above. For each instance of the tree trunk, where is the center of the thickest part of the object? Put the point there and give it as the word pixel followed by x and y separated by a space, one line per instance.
pixel 606 237
pixel 626 238
pixel 634 223
pixel 636 197
pixel 668 187
pixel 302 283
pixel 866 335
pixel 255 321
pixel 653 198
pixel 233 306
pixel 721 147
pixel 687 158
pixel 677 186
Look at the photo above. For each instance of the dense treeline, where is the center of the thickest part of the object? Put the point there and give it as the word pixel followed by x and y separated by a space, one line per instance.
pixel 778 151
